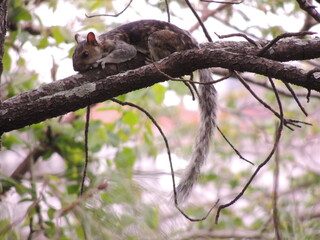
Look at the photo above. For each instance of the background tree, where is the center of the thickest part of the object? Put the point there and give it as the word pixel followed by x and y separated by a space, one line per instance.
pixel 128 184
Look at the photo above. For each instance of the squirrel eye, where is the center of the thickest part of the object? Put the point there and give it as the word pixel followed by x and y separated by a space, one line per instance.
pixel 85 54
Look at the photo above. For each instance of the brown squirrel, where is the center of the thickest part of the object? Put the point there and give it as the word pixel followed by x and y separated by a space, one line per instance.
pixel 156 40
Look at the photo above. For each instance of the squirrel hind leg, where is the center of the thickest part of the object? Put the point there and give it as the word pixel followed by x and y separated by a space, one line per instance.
pixel 162 43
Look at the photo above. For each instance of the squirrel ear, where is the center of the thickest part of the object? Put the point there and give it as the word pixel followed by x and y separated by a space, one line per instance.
pixel 78 38
pixel 91 39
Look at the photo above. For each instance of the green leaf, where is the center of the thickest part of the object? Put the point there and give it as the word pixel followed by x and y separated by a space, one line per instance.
pixel 51 213
pixel 159 92
pixel 21 14
pixel 125 160
pixel 6 60
pixel 131 118
pixel 8 140
pixel 152 218
pixel 43 43
pixel 73 189
pixel 57 35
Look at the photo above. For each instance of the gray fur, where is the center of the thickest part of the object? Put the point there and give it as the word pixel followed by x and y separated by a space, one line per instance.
pixel 208 108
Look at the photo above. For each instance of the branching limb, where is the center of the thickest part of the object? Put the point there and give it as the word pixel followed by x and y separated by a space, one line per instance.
pixel 31 208
pixel 275 145
pixel 110 15
pixel 311 10
pixel 284 35
pixel 170 160
pixel 287 122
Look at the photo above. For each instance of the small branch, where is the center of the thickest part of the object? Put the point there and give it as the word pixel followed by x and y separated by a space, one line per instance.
pixel 295 98
pixel 110 15
pixel 170 161
pixel 88 194
pixel 250 40
pixel 204 29
pixel 206 13
pixel 287 122
pixel 34 204
pixel 311 10
pixel 284 35
pixel 277 139
pixel 234 149
pixel 86 133
pixel 168 10
pixel 223 2
pixel 275 217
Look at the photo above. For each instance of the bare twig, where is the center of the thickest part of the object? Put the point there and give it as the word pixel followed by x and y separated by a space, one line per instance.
pixel 110 15
pixel 287 122
pixel 206 13
pixel 284 35
pixel 223 2
pixel 191 80
pixel 311 10
pixel 234 149
pixel 295 98
pixel 265 85
pixel 161 132
pixel 170 160
pixel 204 29
pixel 238 35
pixel 86 133
pixel 275 217
pixel 277 139
pixel 88 194
pixel 26 214
pixel 168 10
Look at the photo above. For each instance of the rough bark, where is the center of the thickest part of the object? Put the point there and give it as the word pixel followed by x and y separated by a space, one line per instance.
pixel 97 85
pixel 3 30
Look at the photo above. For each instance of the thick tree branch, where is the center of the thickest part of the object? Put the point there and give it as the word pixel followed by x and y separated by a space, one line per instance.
pixel 97 85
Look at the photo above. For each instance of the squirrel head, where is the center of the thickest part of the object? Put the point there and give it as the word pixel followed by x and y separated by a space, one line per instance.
pixel 87 52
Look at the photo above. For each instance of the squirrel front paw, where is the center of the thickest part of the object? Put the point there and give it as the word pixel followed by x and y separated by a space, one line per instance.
pixel 101 61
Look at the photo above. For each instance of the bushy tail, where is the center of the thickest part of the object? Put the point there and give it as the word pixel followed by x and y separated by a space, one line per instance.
pixel 208 108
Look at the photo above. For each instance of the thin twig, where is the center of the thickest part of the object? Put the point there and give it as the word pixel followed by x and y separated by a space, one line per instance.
pixel 250 40
pixel 110 15
pixel 191 81
pixel 287 122
pixel 223 2
pixel 305 5
pixel 161 132
pixel 234 149
pixel 275 216
pixel 275 145
pixel 86 133
pixel 170 161
pixel 24 216
pixel 88 194
pixel 206 13
pixel 204 29
pixel 265 85
pixel 168 10
pixel 295 98
pixel 284 35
